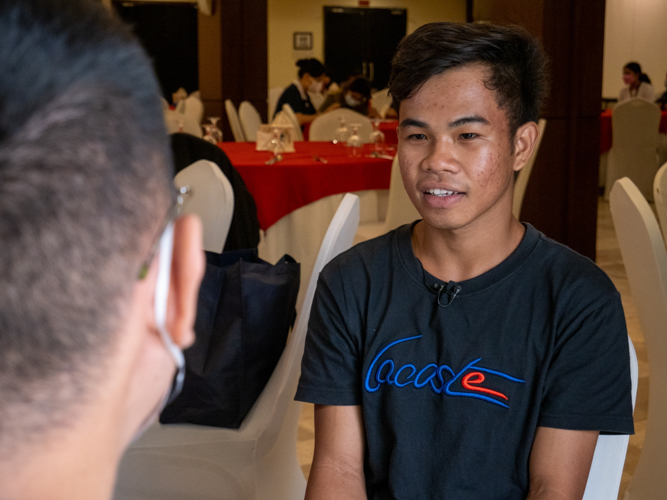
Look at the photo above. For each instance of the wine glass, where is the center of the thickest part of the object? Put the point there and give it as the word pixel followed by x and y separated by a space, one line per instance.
pixel 377 137
pixel 276 143
pixel 209 135
pixel 216 133
pixel 342 133
pixel 354 142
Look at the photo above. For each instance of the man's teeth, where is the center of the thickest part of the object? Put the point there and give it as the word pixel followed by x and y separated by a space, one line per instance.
pixel 440 192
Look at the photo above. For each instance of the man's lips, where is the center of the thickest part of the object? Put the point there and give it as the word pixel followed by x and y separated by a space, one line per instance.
pixel 441 192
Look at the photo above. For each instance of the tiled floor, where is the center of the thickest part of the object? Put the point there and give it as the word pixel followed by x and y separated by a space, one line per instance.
pixel 609 259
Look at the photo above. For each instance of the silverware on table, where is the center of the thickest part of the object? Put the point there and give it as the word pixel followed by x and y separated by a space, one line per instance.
pixel 317 158
pixel 273 160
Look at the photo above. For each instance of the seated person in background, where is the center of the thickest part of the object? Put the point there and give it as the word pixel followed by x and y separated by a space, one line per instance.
pixel 466 355
pixel 662 100
pixel 87 194
pixel 638 84
pixel 355 96
pixel 311 79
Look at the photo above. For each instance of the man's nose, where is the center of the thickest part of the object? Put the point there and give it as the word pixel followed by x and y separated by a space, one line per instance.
pixel 441 157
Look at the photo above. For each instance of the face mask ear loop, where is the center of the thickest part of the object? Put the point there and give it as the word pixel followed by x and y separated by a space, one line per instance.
pixel 161 298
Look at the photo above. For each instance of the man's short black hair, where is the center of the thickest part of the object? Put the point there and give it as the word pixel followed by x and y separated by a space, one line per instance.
pixel 516 61
pixel 85 183
pixel 311 66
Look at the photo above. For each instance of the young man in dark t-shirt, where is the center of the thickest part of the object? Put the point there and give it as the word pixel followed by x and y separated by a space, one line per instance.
pixel 464 356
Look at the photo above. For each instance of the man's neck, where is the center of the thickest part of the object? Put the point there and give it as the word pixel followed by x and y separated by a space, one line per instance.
pixel 465 253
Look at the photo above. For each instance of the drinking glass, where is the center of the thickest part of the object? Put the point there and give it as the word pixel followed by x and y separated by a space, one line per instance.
pixel 354 142
pixel 276 143
pixel 342 133
pixel 377 137
pixel 216 133
pixel 209 136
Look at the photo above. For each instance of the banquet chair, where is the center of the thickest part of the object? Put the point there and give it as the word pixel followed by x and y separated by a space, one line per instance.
pixel 645 261
pixel 274 96
pixel 660 198
pixel 194 108
pixel 634 152
pixel 234 122
pixel 291 116
pixel 250 121
pixel 178 122
pixel 400 209
pixel 521 182
pixel 604 477
pixel 323 128
pixel 316 99
pixel 257 461
pixel 380 99
pixel 211 198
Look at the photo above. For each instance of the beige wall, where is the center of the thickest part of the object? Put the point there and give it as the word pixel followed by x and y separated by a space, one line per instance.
pixel 634 31
pixel 288 16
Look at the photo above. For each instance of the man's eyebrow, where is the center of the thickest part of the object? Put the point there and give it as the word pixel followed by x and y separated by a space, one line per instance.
pixel 413 122
pixel 468 119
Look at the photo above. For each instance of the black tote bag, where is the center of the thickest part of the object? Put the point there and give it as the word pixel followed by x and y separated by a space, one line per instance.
pixel 245 309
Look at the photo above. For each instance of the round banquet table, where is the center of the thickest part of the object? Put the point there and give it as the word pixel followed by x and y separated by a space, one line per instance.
pixel 297 197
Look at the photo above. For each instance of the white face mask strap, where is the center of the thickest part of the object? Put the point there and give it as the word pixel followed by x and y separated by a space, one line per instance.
pixel 161 298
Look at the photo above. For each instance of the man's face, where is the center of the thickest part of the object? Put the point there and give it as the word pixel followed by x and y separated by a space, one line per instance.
pixel 454 151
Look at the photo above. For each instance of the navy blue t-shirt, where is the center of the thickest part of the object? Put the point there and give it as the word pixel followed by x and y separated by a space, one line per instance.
pixel 451 396
pixel 292 97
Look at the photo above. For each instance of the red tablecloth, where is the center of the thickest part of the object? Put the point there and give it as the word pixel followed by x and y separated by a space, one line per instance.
pixel 388 127
pixel 298 180
pixel 606 132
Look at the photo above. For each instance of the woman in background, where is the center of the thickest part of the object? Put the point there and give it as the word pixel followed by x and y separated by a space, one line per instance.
pixel 311 79
pixel 638 84
pixel 355 95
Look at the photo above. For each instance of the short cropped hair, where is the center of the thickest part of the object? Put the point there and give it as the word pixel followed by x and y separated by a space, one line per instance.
pixel 517 64
pixel 361 85
pixel 85 183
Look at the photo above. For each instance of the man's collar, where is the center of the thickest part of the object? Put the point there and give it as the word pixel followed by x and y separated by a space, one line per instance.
pixel 300 89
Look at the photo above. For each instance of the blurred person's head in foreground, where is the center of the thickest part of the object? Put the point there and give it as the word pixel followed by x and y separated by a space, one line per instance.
pixel 86 195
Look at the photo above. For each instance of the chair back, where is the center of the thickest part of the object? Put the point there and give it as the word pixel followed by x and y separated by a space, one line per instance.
pixel 660 198
pixel 250 121
pixel 400 209
pixel 634 152
pixel 291 116
pixel 323 128
pixel 645 261
pixel 604 478
pixel 521 182
pixel 234 122
pixel 380 99
pixel 274 96
pixel 194 108
pixel 179 122
pixel 211 198
pixel 316 99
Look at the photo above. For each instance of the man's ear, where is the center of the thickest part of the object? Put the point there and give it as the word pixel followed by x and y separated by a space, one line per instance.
pixel 524 144
pixel 187 270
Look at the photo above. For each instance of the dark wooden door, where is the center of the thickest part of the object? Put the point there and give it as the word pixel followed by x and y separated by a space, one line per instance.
pixel 168 32
pixel 362 41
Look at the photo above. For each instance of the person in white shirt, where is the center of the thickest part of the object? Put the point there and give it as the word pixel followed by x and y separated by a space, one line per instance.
pixel 638 84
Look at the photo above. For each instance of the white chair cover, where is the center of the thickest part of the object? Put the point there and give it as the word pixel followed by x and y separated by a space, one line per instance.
pixel 258 461
pixel 604 478
pixel 234 122
pixel 316 99
pixel 521 182
pixel 178 122
pixel 274 95
pixel 289 113
pixel 250 121
pixel 380 99
pixel 660 198
pixel 194 108
pixel 645 260
pixel 634 152
pixel 323 128
pixel 400 209
pixel 211 198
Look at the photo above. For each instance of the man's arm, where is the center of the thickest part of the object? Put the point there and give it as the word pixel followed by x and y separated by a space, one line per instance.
pixel 338 463
pixel 559 463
